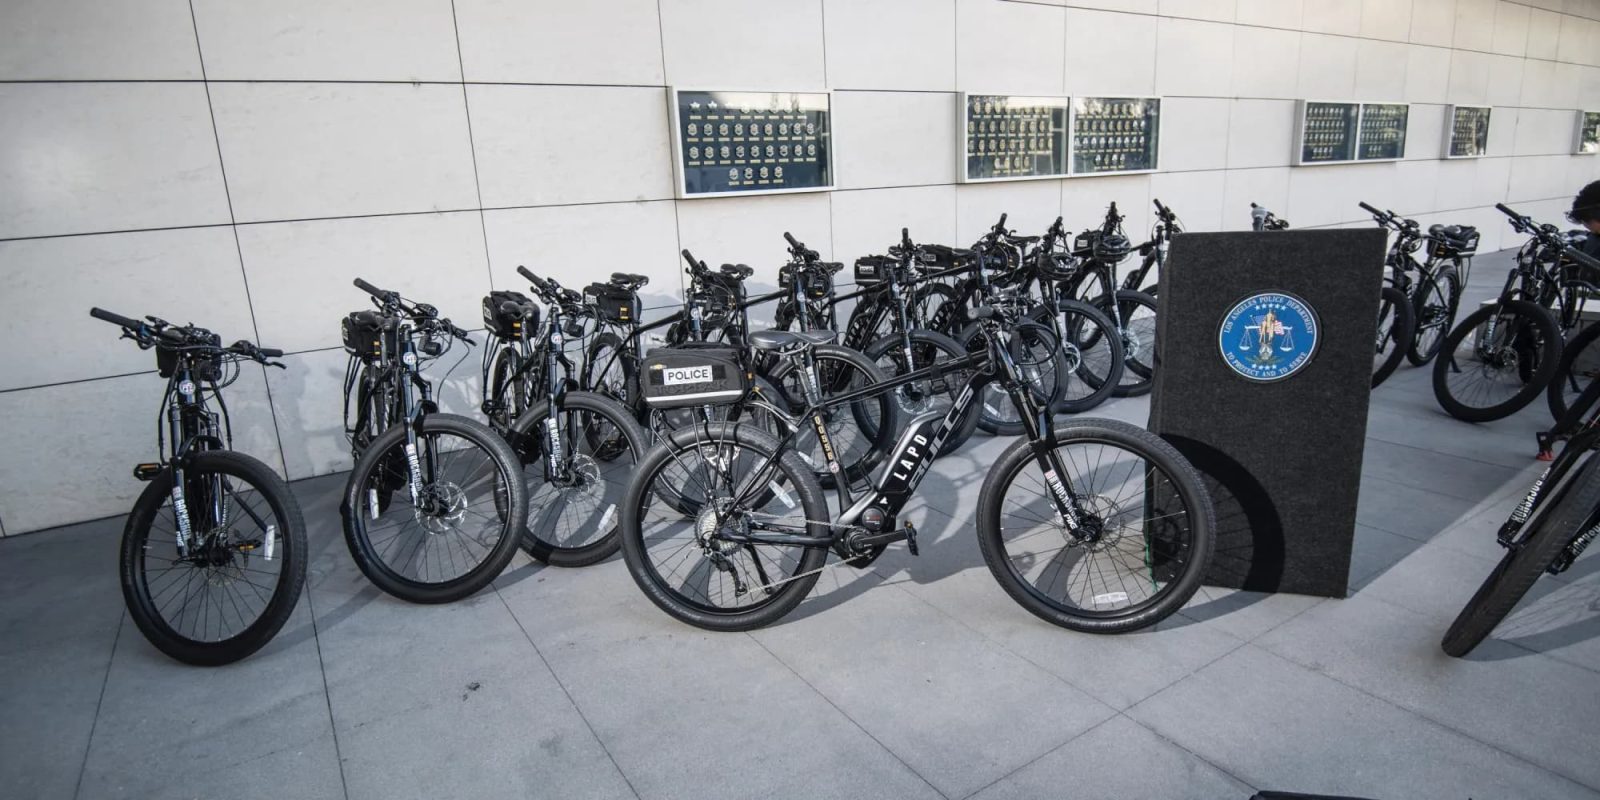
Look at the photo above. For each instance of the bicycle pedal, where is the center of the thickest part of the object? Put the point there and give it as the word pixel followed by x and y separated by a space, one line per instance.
pixel 911 538
pixel 146 472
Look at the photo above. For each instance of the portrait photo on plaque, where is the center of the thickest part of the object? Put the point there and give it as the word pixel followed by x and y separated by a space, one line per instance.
pixel 742 142
pixel 1012 137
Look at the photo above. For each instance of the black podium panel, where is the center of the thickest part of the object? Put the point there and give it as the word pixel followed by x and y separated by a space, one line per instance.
pixel 1265 348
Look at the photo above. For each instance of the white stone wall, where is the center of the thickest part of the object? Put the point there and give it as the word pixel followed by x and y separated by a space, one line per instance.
pixel 235 164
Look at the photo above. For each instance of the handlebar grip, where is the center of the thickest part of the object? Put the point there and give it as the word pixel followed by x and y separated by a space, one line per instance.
pixel 370 289
pixel 269 352
pixel 1506 211
pixel 1161 209
pixel 527 273
pixel 790 238
pixel 1002 222
pixel 1370 209
pixel 100 313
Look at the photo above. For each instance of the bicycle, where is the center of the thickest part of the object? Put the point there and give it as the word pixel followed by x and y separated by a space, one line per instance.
pixel 716 312
pixel 1153 253
pixel 1435 294
pixel 574 445
pixel 1132 313
pixel 753 521
pixel 1396 325
pixel 1557 519
pixel 1091 357
pixel 463 501
pixel 1517 341
pixel 213 554
pixel 510 376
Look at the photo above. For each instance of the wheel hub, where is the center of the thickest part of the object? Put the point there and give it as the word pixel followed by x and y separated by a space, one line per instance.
pixel 440 506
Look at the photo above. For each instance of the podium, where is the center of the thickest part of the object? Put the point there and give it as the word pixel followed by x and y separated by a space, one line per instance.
pixel 1264 352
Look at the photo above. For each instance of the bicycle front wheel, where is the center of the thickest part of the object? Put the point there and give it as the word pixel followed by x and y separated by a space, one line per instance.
pixel 236 580
pixel 458 509
pixel 1568 512
pixel 1434 311
pixel 573 502
pixel 1136 313
pixel 1580 362
pixel 933 394
pixel 694 498
pixel 1482 374
pixel 1147 528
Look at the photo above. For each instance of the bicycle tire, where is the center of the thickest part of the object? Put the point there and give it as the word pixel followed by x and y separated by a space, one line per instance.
pixel 1184 478
pixel 512 397
pixel 1561 520
pixel 1398 336
pixel 876 417
pixel 622 438
pixel 1546 338
pixel 1566 385
pixel 812 504
pixel 511 505
pixel 1433 308
pixel 136 592
pixel 1138 345
pixel 889 349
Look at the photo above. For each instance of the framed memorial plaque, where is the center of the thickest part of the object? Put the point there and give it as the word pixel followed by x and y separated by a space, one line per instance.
pixel 1588 138
pixel 736 142
pixel 1383 131
pixel 1113 135
pixel 1011 137
pixel 1466 132
pixel 1326 132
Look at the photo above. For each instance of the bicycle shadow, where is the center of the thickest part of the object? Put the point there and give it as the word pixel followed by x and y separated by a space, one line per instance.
pixel 1556 614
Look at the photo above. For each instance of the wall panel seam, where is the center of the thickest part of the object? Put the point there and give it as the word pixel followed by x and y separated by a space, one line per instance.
pixel 472 149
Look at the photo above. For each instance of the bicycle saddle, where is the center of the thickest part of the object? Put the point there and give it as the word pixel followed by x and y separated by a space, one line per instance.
pixel 783 340
pixel 1452 231
pixel 829 267
pixel 629 279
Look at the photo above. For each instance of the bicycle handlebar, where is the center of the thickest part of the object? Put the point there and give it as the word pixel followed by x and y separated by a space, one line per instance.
pixel 118 319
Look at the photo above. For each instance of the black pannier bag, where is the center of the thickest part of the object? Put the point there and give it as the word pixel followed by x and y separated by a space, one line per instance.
pixel 873 269
pixel 523 314
pixel 612 303
pixel 938 256
pixel 1461 240
pixel 693 374
pixel 363 333
pixel 816 283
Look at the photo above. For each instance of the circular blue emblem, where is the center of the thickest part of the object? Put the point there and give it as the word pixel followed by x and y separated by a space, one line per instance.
pixel 1269 336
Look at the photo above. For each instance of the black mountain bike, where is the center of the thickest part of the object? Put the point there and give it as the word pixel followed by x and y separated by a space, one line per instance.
pixel 1132 312
pixel 716 312
pixel 577 448
pixel 1093 525
pixel 1435 293
pixel 1396 323
pixel 1502 356
pixel 1547 531
pixel 214 551
pixel 462 503
pixel 1153 253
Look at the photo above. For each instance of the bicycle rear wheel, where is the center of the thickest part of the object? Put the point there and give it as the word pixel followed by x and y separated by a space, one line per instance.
pixel 1568 512
pixel 1137 311
pixel 572 510
pixel 461 528
pixel 1093 355
pixel 1152 519
pixel 1479 381
pixel 238 581
pixel 1395 326
pixel 692 496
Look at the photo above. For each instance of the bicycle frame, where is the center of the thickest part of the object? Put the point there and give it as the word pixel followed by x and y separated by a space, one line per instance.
pixel 915 452
pixel 1583 428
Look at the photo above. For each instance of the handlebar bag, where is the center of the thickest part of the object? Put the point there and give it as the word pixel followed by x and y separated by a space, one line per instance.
pixel 363 333
pixel 512 325
pixel 206 368
pixel 873 269
pixel 817 283
pixel 612 303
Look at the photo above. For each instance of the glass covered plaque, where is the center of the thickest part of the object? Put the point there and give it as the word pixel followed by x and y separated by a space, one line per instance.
pixel 1588 132
pixel 731 142
pixel 1328 132
pixel 1115 134
pixel 1383 131
pixel 1468 132
pixel 1010 137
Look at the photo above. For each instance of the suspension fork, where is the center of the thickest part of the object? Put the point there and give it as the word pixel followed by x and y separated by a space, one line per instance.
pixel 1039 427
pixel 556 445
